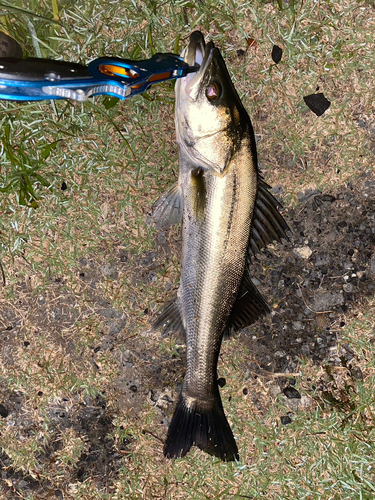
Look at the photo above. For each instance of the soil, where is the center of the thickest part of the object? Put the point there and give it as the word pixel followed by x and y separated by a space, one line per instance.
pixel 313 283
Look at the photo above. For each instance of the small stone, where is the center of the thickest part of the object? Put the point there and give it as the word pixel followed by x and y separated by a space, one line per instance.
pixel 372 264
pixel 276 54
pixel 4 412
pixel 305 350
pixel 109 271
pixel 285 420
pixel 274 391
pixel 291 393
pixel 306 402
pixel 297 325
pixel 356 372
pixel 303 252
pixel 110 312
pixel 9 47
pixel 318 103
pixel 322 260
pixel 279 354
pixel 348 288
pixel 324 301
pixel 221 382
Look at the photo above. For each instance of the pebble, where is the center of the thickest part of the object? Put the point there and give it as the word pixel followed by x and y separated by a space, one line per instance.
pixel 4 412
pixel 356 372
pixel 291 393
pixel 372 264
pixel 109 271
pixel 323 301
pixel 274 390
pixel 303 252
pixel 285 420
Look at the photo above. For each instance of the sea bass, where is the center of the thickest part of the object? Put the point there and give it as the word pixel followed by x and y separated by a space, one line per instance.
pixel 227 215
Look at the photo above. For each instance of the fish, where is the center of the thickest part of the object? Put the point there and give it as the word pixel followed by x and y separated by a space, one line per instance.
pixel 228 214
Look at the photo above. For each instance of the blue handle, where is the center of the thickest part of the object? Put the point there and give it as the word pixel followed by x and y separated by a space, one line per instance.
pixel 35 79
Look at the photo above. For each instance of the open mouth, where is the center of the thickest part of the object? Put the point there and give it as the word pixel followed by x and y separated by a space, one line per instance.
pixel 197 53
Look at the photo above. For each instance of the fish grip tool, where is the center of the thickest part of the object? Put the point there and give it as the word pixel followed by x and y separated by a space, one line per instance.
pixel 35 79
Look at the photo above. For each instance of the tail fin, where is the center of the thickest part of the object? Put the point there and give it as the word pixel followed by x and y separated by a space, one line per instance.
pixel 205 427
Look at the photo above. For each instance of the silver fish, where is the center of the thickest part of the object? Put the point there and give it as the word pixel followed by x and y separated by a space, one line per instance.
pixel 227 215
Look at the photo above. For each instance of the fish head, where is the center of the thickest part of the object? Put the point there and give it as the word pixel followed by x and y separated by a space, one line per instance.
pixel 208 109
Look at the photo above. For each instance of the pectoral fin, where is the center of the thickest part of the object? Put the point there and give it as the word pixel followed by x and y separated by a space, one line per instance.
pixel 167 210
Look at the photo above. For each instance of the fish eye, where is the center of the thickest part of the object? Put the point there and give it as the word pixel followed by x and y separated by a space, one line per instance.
pixel 213 91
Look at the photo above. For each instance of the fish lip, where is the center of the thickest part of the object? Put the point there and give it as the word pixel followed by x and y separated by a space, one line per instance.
pixel 197 53
pixel 197 77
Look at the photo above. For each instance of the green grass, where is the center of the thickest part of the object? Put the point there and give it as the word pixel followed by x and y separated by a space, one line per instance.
pixel 115 161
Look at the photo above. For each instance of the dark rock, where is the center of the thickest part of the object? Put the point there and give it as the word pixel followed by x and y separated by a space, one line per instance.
pixel 285 420
pixel 221 382
pixel 356 373
pixel 276 54
pixel 318 103
pixel 291 393
pixel 9 47
pixel 4 412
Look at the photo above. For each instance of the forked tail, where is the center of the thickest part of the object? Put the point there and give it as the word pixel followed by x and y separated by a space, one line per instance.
pixel 205 426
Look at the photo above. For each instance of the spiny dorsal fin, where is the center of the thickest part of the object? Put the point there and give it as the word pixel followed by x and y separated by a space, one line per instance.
pixel 267 225
pixel 167 210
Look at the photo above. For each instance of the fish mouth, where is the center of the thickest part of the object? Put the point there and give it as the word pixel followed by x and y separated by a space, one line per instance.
pixel 197 53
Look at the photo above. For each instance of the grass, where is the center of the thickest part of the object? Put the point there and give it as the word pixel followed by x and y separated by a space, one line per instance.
pixel 78 181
